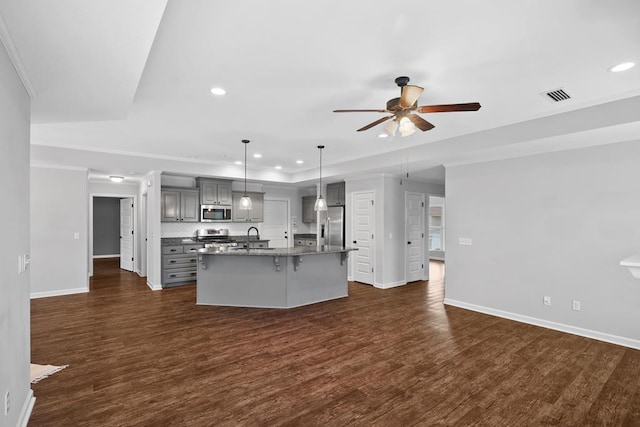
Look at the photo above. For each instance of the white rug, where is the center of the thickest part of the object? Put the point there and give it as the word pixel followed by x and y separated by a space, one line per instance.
pixel 40 372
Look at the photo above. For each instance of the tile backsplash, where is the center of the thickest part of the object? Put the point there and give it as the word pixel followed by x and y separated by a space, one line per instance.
pixel 188 229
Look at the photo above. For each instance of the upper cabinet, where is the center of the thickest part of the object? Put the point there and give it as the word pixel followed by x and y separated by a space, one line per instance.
pixel 255 214
pixel 180 205
pixel 215 192
pixel 308 214
pixel 335 194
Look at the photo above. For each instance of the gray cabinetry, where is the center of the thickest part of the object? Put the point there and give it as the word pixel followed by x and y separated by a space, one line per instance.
pixel 255 214
pixel 179 264
pixel 215 192
pixel 335 194
pixel 179 205
pixel 308 214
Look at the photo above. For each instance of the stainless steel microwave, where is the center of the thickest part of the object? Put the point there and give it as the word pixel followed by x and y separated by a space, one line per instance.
pixel 215 213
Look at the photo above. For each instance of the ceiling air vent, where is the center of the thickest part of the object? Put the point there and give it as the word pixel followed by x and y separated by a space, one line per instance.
pixel 556 95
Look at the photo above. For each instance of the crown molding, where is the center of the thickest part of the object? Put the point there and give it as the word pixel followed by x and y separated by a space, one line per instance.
pixel 14 56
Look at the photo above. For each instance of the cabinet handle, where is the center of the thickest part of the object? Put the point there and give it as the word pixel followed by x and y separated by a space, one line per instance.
pixel 172 275
pixel 173 250
pixel 354 242
pixel 409 242
pixel 193 274
pixel 193 250
pixel 173 261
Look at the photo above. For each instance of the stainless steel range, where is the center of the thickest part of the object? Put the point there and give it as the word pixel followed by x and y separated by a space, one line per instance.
pixel 215 238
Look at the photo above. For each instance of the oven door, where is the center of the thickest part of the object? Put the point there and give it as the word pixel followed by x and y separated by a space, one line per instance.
pixel 212 213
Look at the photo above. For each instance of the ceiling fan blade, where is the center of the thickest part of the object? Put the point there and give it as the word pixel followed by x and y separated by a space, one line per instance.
pixel 471 106
pixel 377 122
pixel 410 95
pixel 420 123
pixel 359 111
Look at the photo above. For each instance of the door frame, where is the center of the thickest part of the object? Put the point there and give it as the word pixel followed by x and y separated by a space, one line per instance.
pixel 288 200
pixel 423 219
pixel 135 226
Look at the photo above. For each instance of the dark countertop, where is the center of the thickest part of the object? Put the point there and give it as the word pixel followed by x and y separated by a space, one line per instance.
pixel 295 251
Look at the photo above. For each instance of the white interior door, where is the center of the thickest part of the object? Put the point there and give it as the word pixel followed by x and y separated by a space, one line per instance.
pixel 363 226
pixel 126 234
pixel 276 223
pixel 414 233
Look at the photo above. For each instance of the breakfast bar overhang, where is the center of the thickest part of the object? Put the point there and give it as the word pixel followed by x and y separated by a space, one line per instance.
pixel 271 278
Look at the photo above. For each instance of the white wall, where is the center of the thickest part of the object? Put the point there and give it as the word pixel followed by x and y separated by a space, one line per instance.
pixel 59 210
pixel 154 229
pixel 15 349
pixel 549 225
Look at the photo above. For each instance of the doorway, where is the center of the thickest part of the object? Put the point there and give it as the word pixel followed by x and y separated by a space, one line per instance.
pixel 98 235
pixel 436 227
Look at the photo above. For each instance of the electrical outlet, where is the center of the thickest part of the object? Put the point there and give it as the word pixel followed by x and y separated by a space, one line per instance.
pixel 7 402
pixel 546 300
pixel 465 241
pixel 576 305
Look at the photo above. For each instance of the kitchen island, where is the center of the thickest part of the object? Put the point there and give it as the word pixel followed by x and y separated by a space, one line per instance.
pixel 271 278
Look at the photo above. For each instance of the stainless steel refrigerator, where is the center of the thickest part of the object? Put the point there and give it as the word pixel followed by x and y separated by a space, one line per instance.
pixel 334 226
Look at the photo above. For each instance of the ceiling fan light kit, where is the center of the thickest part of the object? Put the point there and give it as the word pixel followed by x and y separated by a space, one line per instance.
pixel 404 109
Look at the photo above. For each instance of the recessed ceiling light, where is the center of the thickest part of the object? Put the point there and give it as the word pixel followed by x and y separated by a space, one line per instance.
pixel 115 178
pixel 299 162
pixel 238 162
pixel 218 91
pixel 257 155
pixel 383 135
pixel 622 67
pixel 278 167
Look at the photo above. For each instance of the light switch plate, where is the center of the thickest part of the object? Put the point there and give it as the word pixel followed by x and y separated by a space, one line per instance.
pixel 465 241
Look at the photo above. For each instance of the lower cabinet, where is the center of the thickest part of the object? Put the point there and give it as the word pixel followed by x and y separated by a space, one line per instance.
pixel 179 264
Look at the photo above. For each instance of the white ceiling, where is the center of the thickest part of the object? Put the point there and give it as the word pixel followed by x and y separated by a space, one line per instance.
pixel 122 87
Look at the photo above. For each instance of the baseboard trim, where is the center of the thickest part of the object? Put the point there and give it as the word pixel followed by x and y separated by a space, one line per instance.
pixel 389 285
pixel 58 292
pixel 27 408
pixel 106 256
pixel 587 333
pixel 153 287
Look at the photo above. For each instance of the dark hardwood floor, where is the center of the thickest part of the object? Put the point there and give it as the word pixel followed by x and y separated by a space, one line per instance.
pixel 395 357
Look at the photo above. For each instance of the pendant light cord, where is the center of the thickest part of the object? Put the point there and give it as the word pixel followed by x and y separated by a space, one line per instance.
pixel 245 141
pixel 320 147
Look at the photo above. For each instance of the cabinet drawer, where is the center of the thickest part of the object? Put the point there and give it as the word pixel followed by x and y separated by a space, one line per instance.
pixel 300 242
pixel 190 249
pixel 179 275
pixel 179 261
pixel 311 242
pixel 172 249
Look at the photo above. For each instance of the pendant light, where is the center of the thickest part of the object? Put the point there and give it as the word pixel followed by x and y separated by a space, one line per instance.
pixel 321 204
pixel 245 200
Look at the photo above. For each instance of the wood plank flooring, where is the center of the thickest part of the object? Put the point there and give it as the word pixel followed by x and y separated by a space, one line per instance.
pixel 395 357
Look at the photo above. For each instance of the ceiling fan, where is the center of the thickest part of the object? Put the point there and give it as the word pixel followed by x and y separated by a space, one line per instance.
pixel 404 109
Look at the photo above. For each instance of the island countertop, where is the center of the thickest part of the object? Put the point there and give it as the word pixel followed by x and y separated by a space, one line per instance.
pixel 294 251
pixel 271 278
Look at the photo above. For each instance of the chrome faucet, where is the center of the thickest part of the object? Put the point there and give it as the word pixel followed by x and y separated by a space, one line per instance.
pixel 249 231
